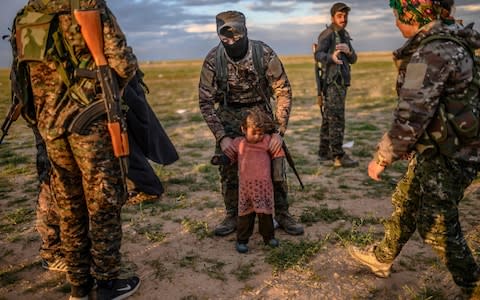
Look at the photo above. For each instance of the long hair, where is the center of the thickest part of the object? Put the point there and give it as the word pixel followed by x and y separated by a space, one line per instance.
pixel 259 119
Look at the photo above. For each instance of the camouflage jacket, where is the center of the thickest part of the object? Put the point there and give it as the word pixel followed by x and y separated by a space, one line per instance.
pixel 327 41
pixel 54 110
pixel 428 73
pixel 243 89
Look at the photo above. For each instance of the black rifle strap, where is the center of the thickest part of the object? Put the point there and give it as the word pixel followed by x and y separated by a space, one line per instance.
pixel 74 4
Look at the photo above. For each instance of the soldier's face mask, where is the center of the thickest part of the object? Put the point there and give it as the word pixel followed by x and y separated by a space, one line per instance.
pixel 234 41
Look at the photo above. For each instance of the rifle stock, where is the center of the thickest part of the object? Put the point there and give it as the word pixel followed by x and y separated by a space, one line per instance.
pixel 318 78
pixel 91 29
pixel 12 115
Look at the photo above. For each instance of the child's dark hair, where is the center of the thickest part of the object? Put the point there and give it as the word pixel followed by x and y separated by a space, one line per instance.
pixel 259 119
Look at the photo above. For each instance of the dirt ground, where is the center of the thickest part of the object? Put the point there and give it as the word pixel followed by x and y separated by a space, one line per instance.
pixel 169 243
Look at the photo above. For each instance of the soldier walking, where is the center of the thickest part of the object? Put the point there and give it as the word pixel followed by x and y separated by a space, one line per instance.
pixel 435 79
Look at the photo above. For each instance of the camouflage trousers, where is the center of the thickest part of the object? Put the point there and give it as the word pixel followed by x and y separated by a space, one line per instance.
pixel 87 185
pixel 47 222
pixel 333 121
pixel 232 118
pixel 427 199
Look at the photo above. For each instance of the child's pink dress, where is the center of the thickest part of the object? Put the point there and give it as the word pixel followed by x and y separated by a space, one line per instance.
pixel 254 172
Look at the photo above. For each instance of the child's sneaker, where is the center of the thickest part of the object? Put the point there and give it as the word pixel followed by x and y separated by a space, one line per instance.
pixel 241 248
pixel 57 264
pixel 273 243
pixel 117 289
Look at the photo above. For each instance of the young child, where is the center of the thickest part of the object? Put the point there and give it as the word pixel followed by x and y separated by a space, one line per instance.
pixel 255 179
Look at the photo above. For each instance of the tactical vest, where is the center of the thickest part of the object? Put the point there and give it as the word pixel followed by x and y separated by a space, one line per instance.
pixel 36 37
pixel 222 72
pixel 456 122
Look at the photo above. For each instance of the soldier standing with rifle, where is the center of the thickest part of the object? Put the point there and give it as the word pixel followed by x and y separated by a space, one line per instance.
pixel 230 84
pixel 335 54
pixel 87 168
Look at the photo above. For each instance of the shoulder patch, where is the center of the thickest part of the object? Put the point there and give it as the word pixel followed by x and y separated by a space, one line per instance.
pixel 415 75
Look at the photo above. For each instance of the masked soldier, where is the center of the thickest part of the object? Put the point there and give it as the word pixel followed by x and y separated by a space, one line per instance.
pixel 230 84
pixel 435 80
pixel 335 54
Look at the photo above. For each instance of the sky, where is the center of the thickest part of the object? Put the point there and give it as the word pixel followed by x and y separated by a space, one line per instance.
pixel 161 30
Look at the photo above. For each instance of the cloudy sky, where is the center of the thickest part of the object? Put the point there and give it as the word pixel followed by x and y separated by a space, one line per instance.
pixel 185 29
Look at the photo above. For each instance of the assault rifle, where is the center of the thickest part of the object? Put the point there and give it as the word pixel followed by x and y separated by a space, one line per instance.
pixel 288 156
pixel 92 32
pixel 12 115
pixel 291 163
pixel 319 78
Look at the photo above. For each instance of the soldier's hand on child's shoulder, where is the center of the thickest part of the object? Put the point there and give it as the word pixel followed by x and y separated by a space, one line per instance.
pixel 226 144
pixel 275 143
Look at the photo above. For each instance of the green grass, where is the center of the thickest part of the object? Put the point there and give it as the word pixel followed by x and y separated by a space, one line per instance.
pixel 244 271
pixel 198 228
pixel 292 254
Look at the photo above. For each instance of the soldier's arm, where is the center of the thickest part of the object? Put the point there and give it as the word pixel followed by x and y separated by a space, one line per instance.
pixel 207 90
pixel 419 97
pixel 282 91
pixel 323 54
pixel 120 56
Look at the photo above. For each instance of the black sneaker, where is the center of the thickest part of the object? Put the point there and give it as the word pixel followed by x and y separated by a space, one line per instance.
pixel 117 289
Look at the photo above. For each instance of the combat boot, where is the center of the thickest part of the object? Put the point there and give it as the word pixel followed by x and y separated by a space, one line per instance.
pixel 368 258
pixel 324 157
pixel 344 161
pixel 228 225
pixel 288 223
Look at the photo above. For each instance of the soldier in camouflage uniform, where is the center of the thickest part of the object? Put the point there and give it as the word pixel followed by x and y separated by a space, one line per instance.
pixel 336 54
pixel 86 177
pixel 224 112
pixel 432 73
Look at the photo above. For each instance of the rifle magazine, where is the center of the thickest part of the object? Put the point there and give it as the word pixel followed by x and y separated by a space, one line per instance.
pixel 86 117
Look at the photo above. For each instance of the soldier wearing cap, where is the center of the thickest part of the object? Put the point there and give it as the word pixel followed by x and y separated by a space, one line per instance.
pixel 436 78
pixel 335 53
pixel 224 107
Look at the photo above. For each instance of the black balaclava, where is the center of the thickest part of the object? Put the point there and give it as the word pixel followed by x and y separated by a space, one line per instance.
pixel 231 24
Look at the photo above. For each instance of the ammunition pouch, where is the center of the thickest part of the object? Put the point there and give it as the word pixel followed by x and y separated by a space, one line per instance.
pixel 33 35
